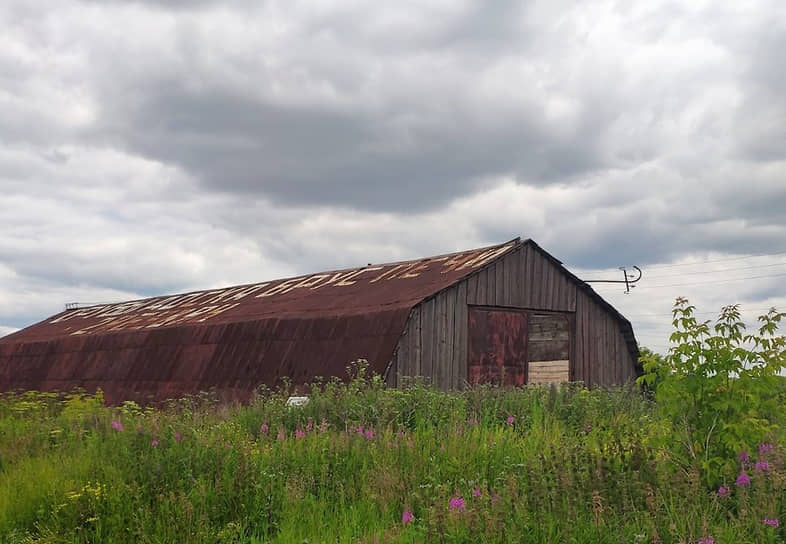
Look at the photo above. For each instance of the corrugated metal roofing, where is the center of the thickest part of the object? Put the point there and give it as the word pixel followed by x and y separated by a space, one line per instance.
pixel 232 339
pixel 236 338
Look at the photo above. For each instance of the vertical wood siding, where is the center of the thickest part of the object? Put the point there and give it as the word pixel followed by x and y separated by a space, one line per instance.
pixel 434 342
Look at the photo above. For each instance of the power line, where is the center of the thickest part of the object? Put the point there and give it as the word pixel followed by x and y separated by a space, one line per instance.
pixel 709 282
pixel 718 260
pixel 698 263
pixel 742 310
pixel 715 271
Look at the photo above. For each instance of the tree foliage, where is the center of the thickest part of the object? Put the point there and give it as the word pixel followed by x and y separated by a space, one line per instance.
pixel 719 385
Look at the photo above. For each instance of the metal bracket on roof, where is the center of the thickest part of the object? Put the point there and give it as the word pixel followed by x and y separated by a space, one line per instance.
pixel 629 278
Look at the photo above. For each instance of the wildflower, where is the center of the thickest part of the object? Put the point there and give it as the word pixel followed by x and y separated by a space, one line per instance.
pixel 154 443
pixel 743 480
pixel 178 437
pixel 323 426
pixel 706 540
pixel 369 434
pixel 762 466
pixel 476 492
pixel 471 421
pixel 407 517
pixel 766 448
pixel 309 426
pixel 494 497
pixel 116 425
pixel 587 428
pixel 299 433
pixel 743 457
pixel 724 491
pixel 264 428
pixel 510 420
pixel 282 434
pixel 359 429
pixel 772 522
pixel 457 503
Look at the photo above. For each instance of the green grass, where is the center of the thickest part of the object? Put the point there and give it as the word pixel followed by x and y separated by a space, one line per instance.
pixel 574 466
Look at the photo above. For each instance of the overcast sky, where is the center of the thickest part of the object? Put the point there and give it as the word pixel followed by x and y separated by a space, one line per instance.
pixel 154 147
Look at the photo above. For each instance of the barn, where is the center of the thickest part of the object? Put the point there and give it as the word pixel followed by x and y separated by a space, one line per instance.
pixel 506 314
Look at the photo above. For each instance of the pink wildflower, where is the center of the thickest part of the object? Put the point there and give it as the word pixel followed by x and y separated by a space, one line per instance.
pixel 772 522
pixel 743 457
pixel 472 421
pixel 407 517
pixel 369 434
pixel 178 437
pixel 766 448
pixel 299 433
pixel 264 428
pixel 309 426
pixel 724 491
pixel 762 466
pixel 743 480
pixel 154 443
pixel 457 503
pixel 494 497
pixel 323 426
pixel 510 420
pixel 706 540
pixel 477 492
pixel 282 434
pixel 359 429
pixel 116 425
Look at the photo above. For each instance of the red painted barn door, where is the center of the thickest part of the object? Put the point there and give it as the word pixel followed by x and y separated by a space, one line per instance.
pixel 497 347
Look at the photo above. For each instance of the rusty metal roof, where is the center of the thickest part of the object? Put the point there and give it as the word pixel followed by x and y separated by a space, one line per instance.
pixel 236 338
pixel 232 339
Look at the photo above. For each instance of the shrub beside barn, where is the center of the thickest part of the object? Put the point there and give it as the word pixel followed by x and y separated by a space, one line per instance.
pixel 508 314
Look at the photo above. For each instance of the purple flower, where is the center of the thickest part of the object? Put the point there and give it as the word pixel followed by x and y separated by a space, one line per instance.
pixel 762 466
pixel 706 540
pixel 472 421
pixel 323 426
pixel 154 443
pixel 282 434
pixel 766 448
pixel 407 517
pixel 369 434
pixel 264 428
pixel 510 420
pixel 724 491
pixel 477 492
pixel 178 437
pixel 743 457
pixel 359 429
pixel 299 433
pixel 743 480
pixel 772 522
pixel 587 428
pixel 116 425
pixel 309 426
pixel 457 503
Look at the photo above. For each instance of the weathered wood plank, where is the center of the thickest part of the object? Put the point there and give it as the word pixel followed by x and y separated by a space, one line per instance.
pixel 460 339
pixel 450 336
pixel 548 372
pixel 499 281
pixel 441 359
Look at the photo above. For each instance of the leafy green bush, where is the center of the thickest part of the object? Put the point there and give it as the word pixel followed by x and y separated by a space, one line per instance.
pixel 719 386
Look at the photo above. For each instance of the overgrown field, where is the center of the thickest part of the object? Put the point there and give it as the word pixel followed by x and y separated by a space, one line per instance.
pixel 361 463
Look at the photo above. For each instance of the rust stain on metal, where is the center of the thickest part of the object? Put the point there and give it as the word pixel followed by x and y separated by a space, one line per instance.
pixel 497 347
pixel 232 339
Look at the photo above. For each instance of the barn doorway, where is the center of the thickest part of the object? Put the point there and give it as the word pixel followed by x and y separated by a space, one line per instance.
pixel 517 347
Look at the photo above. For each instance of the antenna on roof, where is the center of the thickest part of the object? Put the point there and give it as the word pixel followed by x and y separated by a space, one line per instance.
pixel 629 278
